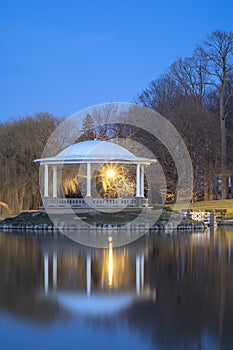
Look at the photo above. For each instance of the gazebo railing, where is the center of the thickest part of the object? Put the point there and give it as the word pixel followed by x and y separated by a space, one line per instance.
pixel 50 202
pixel 64 202
pixel 113 202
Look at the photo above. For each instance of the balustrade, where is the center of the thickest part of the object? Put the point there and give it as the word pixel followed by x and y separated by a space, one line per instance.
pixel 50 202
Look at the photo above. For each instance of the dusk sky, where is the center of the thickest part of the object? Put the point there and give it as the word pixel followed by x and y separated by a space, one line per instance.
pixel 62 56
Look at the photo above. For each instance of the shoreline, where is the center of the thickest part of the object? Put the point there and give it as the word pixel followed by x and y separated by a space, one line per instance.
pixel 62 226
pixel 38 222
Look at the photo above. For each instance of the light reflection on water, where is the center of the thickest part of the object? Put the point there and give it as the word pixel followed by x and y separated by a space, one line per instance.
pixel 161 292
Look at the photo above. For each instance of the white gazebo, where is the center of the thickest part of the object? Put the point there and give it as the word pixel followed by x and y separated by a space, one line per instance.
pixel 92 155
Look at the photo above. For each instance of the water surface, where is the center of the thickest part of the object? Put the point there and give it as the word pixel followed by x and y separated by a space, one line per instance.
pixel 161 292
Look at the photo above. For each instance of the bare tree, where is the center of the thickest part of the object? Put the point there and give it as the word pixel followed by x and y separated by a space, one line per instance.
pixel 180 96
pixel 200 85
pixel 217 57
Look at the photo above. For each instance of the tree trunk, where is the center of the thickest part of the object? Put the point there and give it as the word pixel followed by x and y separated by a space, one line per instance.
pixel 223 164
pixel 223 149
pixel 206 185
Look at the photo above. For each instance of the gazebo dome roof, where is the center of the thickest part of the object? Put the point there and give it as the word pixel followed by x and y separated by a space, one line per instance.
pixel 94 150
pixel 97 304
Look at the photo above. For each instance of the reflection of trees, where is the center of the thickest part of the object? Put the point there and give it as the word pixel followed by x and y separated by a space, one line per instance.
pixel 21 272
pixel 193 289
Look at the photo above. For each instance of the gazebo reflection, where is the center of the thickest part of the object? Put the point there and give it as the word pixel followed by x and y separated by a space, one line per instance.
pixel 96 281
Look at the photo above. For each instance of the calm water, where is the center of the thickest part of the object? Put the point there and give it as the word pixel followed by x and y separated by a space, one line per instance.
pixel 162 292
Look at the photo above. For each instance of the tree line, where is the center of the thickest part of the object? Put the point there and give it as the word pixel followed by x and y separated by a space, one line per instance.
pixel 22 141
pixel 195 94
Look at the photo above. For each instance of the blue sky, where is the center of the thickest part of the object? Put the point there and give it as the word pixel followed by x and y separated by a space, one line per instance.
pixel 62 56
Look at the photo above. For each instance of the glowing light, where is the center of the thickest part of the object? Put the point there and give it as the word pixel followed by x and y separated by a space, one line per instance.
pixel 110 173
pixel 110 263
pixel 117 181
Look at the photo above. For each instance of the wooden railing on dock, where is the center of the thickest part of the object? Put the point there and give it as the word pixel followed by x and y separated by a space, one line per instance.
pixel 220 214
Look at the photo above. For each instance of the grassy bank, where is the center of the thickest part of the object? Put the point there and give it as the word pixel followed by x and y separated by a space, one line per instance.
pixel 216 204
pixel 206 205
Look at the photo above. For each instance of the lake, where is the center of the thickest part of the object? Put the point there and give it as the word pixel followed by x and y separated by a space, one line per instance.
pixel 160 292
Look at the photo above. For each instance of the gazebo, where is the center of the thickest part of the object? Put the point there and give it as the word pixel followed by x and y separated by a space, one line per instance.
pixel 105 156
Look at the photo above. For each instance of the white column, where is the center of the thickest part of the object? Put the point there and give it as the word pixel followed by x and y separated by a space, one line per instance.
pixel 54 181
pixel 142 270
pixel 46 273
pixel 110 262
pixel 138 274
pixel 46 180
pixel 88 272
pixel 142 181
pixel 88 180
pixel 54 270
pixel 138 181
